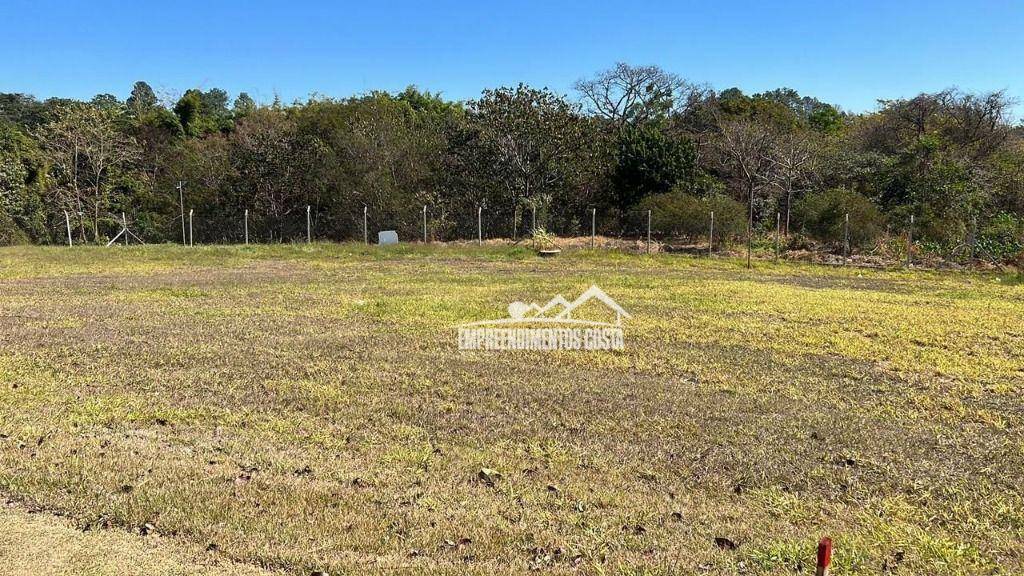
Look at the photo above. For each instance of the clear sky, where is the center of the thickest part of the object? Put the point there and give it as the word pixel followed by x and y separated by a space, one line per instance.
pixel 849 53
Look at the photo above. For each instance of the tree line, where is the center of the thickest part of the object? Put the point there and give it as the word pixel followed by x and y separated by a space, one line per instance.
pixel 627 140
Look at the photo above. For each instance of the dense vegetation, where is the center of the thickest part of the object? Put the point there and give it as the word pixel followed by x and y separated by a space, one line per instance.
pixel 628 140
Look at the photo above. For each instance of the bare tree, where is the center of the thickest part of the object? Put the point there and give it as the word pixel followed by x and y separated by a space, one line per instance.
pixel 107 149
pixel 699 124
pixel 86 145
pixel 64 143
pixel 744 147
pixel 630 95
pixel 980 124
pixel 977 124
pixel 793 161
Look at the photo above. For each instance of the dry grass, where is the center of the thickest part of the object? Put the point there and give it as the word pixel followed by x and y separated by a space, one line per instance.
pixel 305 408
pixel 34 544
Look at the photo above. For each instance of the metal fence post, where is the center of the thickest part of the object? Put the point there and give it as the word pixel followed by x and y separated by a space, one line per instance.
pixel 67 220
pixel 246 226
pixel 181 205
pixel 910 241
pixel 593 228
pixel 190 227
pixel 479 225
pixel 846 238
pixel 750 229
pixel 424 223
pixel 778 231
pixel 366 237
pixel 309 233
pixel 974 237
pixel 711 235
pixel 648 231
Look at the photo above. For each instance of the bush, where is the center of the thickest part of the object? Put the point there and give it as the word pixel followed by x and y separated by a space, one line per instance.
pixel 730 216
pixel 10 234
pixel 1002 237
pixel 650 162
pixel 822 215
pixel 674 214
pixel 679 214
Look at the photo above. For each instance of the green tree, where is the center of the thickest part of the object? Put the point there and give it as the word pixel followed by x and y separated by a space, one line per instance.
pixel 244 105
pixel 526 141
pixel 215 103
pixel 941 158
pixel 22 110
pixel 826 118
pixel 106 102
pixel 22 214
pixel 189 111
pixel 383 151
pixel 650 162
pixel 278 167
pixel 773 109
pixel 202 113
pixel 142 99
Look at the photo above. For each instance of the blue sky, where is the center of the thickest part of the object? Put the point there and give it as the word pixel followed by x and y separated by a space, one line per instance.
pixel 849 53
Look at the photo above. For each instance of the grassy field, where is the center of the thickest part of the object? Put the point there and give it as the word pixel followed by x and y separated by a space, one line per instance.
pixel 304 408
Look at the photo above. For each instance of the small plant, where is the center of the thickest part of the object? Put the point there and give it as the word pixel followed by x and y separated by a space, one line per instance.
pixel 544 240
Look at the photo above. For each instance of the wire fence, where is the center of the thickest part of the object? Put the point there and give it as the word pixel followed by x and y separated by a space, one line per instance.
pixel 710 233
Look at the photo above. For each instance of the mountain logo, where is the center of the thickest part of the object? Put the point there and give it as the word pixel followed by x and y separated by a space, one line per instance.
pixel 554 326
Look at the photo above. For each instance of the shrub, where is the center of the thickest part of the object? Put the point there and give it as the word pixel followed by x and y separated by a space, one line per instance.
pixel 10 234
pixel 674 214
pixel 650 162
pixel 730 216
pixel 821 215
pixel 1002 237
pixel 679 214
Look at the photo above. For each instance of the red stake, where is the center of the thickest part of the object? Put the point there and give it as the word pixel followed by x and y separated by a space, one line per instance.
pixel 824 556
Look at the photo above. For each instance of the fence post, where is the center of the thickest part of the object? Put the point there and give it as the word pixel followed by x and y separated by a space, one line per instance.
pixel 750 228
pixel 648 231
pixel 181 204
pixel 593 228
pixel 974 236
pixel 309 234
pixel 190 227
pixel 778 232
pixel 479 225
pixel 533 222
pixel 124 223
pixel 424 223
pixel 846 238
pixel 711 235
pixel 366 237
pixel 910 241
pixel 246 226
pixel 67 220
